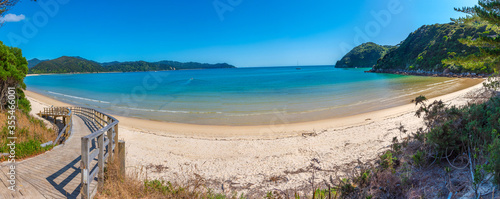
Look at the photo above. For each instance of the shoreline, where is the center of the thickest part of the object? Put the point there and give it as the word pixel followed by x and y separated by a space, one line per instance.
pixel 74 73
pixel 251 164
pixel 270 131
pixel 428 73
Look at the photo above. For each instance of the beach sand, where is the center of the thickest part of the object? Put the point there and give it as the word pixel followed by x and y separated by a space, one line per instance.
pixel 258 159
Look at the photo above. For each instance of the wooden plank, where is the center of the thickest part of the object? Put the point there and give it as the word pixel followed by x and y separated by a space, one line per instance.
pixel 93 155
pixel 110 141
pixel 52 174
pixel 101 162
pixel 92 175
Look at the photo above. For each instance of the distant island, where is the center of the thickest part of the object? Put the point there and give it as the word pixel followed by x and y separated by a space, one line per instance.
pixel 423 52
pixel 364 55
pixel 67 64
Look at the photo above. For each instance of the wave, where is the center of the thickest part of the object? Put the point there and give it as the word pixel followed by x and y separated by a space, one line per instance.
pixel 76 97
pixel 167 111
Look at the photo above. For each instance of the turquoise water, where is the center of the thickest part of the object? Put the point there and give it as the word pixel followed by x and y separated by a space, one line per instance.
pixel 243 96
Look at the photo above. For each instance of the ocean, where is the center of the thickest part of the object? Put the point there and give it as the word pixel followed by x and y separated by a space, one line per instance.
pixel 242 96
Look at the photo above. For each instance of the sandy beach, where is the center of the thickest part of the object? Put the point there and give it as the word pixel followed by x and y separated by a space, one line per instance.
pixel 257 159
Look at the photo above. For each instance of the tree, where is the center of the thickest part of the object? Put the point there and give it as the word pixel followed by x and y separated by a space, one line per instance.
pixel 13 69
pixel 485 13
pixel 5 5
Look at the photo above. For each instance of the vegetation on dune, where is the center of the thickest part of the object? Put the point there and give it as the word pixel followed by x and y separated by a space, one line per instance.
pixel 364 55
pixel 425 49
pixel 67 64
pixel 118 186
pixel 30 133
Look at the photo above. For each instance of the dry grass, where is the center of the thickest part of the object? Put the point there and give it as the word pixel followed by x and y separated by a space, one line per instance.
pixel 130 186
pixel 30 133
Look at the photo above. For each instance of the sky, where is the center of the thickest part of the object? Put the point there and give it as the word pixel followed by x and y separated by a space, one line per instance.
pixel 244 33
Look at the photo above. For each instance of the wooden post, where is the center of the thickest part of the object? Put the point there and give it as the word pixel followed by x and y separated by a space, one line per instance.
pixel 110 143
pixel 84 168
pixel 66 119
pixel 121 156
pixel 100 162
pixel 116 139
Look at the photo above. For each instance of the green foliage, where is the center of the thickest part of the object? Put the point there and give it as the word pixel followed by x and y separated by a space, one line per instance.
pixel 470 130
pixel 494 157
pixel 387 160
pixel 5 6
pixel 425 49
pixel 323 194
pixel 489 41
pixel 33 62
pixel 364 55
pixel 27 148
pixel 67 65
pixel 167 189
pixel 418 158
pixel 161 65
pixel 13 69
pixel 461 128
pixel 79 65
pixel 364 177
pixel 346 187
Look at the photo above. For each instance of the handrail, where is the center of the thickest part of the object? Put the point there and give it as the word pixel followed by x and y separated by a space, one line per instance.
pixel 66 130
pixel 107 140
pixel 64 112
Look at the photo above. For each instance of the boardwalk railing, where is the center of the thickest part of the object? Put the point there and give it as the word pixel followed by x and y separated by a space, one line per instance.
pixel 106 137
pixel 67 120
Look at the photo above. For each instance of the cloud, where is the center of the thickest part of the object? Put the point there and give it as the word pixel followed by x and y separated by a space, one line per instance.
pixel 12 18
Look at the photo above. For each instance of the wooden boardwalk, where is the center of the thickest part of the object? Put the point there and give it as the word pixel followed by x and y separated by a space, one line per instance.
pixel 54 174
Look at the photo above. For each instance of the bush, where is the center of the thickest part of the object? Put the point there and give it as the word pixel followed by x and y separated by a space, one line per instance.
pixel 470 130
pixel 387 160
pixel 418 158
pixel 494 150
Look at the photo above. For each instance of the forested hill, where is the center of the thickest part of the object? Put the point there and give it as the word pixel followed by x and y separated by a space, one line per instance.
pixel 364 55
pixel 34 62
pixel 67 64
pixel 425 49
pixel 161 65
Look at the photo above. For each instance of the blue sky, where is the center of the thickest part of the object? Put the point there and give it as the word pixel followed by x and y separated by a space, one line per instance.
pixel 240 32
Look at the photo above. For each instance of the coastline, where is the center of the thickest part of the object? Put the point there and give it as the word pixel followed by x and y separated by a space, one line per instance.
pixel 428 73
pixel 226 157
pixel 270 131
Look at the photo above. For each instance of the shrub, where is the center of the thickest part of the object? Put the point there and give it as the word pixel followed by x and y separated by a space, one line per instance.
pixel 418 158
pixel 494 150
pixel 387 160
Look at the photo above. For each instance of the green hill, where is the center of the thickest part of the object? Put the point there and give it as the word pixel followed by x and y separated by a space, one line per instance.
pixel 364 55
pixel 67 64
pixel 34 62
pixel 161 65
pixel 425 49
